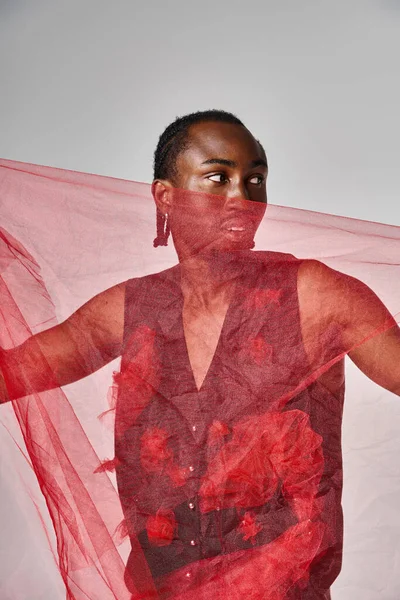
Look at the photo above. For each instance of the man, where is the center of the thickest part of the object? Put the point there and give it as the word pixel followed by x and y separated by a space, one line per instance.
pixel 231 386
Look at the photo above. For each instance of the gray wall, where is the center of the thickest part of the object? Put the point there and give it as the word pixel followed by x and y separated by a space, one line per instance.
pixel 90 84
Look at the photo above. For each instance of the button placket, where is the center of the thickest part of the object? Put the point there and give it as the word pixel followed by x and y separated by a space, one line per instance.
pixel 194 537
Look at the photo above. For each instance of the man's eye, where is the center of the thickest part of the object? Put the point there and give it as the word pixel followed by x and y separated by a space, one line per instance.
pixel 217 177
pixel 256 179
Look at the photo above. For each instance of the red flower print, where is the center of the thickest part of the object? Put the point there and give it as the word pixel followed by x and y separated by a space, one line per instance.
pixel 248 527
pixel 263 451
pixel 274 296
pixel 161 528
pixel 178 475
pixel 259 350
pixel 116 378
pixel 217 431
pixel 107 465
pixel 154 451
pixel 259 299
pixel 121 533
pixel 138 379
pixel 112 393
pixel 157 457
pixel 107 417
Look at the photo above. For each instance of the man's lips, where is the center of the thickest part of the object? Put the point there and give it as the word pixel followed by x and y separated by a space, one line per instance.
pixel 239 225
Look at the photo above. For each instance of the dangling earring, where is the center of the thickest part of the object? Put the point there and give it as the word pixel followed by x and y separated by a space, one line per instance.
pixel 163 230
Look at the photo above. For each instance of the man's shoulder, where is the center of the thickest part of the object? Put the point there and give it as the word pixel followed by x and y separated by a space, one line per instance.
pixel 275 265
pixel 326 296
pixel 169 274
pixel 269 256
pixel 309 266
pixel 316 275
pixel 312 274
pixel 276 272
pixel 157 285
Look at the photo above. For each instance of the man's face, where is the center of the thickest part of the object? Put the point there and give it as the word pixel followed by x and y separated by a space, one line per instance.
pixel 226 168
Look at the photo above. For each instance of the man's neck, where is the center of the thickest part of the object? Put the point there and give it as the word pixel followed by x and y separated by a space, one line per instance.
pixel 210 280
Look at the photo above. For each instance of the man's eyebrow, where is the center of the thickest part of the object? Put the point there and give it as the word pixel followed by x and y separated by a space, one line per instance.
pixel 258 162
pixel 220 161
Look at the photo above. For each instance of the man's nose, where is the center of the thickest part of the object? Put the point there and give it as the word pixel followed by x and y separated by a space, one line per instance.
pixel 237 193
pixel 235 203
pixel 238 189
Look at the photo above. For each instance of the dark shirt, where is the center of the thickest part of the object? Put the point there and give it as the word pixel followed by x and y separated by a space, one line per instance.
pixel 209 472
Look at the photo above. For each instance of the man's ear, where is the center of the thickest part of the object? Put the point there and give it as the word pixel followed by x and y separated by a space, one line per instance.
pixel 161 190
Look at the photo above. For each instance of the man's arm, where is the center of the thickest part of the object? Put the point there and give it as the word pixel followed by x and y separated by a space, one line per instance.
pixel 90 338
pixel 376 349
pixel 365 330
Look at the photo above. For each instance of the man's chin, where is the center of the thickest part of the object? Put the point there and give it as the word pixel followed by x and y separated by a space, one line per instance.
pixel 221 246
pixel 228 251
pixel 238 245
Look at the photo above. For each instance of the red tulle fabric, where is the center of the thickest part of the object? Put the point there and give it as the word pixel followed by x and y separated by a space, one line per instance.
pixel 227 490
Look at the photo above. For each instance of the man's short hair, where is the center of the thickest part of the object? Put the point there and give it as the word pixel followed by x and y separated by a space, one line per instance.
pixel 175 139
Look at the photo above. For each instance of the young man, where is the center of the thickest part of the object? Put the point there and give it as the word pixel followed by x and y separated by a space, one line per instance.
pixel 228 418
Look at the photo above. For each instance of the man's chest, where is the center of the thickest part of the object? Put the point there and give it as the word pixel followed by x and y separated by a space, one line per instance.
pixel 201 330
pixel 240 360
pixel 246 358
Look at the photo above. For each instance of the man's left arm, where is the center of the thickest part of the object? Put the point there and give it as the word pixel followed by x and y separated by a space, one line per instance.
pixel 369 333
pixel 378 353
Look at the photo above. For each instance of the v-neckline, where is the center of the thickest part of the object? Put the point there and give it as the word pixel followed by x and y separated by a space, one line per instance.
pixel 222 334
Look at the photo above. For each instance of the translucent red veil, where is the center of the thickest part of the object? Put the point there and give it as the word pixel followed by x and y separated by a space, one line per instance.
pixel 67 236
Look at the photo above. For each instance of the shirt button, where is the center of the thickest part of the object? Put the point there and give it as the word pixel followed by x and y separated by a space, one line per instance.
pixel 191 468
pixel 191 505
pixel 193 542
pixel 194 428
pixel 188 574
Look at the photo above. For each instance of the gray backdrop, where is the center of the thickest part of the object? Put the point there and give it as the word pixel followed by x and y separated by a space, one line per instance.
pixel 89 85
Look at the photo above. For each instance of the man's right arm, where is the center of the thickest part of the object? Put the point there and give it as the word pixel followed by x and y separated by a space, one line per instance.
pixel 89 339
